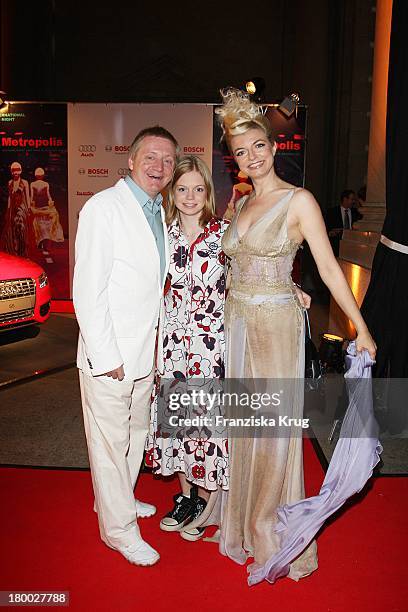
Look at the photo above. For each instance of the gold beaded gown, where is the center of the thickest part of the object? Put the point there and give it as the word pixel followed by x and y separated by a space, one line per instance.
pixel 264 329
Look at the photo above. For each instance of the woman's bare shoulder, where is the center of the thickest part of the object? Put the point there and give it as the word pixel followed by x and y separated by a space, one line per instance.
pixel 303 206
pixel 304 197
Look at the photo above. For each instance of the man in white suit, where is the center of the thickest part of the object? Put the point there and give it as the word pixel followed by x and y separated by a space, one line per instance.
pixel 121 263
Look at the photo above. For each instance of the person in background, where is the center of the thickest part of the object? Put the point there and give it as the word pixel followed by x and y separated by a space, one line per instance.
pixel 341 217
pixel 243 187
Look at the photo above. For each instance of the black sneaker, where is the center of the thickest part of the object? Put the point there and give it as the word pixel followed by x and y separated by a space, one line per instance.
pixel 180 515
pixel 195 533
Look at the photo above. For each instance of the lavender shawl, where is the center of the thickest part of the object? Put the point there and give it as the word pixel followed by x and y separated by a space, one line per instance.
pixel 354 458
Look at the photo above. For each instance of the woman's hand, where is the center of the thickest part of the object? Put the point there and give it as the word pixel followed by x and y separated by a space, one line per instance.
pixel 365 341
pixel 304 298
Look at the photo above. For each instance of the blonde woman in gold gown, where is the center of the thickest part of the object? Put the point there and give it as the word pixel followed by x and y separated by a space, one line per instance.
pixel 265 329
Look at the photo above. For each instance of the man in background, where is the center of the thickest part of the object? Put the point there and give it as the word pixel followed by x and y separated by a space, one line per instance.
pixel 341 217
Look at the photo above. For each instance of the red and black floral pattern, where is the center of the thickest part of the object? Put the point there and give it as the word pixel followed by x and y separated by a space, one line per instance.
pixel 194 347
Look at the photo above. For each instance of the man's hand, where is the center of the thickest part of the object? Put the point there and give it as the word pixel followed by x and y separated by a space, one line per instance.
pixel 117 373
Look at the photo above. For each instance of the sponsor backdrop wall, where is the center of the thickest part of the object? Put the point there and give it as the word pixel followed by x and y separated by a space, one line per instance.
pixel 83 148
pixel 99 136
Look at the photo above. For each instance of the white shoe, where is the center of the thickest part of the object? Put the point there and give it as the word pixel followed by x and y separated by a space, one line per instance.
pixel 140 553
pixel 144 510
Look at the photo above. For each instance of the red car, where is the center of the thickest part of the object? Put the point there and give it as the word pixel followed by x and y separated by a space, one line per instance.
pixel 24 292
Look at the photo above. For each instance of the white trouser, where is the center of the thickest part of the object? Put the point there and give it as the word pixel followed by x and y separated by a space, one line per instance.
pixel 116 419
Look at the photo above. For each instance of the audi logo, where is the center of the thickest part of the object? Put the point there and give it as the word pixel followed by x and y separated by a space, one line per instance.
pixel 84 148
pixel 123 171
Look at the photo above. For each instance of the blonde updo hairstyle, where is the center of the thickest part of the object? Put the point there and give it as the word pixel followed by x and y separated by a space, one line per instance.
pixel 191 163
pixel 239 113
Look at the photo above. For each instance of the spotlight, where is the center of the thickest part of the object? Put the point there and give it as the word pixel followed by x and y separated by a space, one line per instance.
pixel 255 87
pixel 250 87
pixel 3 102
pixel 331 352
pixel 289 105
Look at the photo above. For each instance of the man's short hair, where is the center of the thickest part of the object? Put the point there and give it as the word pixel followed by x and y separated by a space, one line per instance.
pixel 155 130
pixel 346 194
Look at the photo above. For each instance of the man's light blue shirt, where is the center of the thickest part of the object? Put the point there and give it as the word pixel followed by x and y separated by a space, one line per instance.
pixel 152 212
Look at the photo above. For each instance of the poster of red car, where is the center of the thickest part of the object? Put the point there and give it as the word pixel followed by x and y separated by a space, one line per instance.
pixel 33 188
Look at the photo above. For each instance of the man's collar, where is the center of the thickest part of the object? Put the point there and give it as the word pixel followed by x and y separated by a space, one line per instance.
pixel 142 197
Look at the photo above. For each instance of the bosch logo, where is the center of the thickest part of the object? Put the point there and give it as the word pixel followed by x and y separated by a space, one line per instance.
pixel 98 171
pixel 193 149
pixel 84 148
pixel 121 148
pixel 81 171
pixel 123 171
pixel 108 148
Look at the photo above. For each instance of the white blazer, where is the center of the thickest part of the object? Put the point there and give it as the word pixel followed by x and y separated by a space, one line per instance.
pixel 117 290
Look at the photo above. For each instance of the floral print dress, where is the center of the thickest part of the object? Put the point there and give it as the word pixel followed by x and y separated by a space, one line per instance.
pixel 194 347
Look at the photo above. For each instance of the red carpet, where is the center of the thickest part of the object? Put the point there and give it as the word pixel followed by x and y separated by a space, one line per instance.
pixel 49 541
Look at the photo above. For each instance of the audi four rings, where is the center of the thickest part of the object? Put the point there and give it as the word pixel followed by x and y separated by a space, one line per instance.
pixel 85 148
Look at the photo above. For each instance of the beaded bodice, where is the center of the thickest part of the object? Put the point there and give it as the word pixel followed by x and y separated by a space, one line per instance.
pixel 261 259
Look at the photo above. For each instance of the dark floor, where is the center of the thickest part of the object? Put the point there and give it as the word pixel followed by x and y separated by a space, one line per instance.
pixel 30 350
pixel 40 409
pixel 41 423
